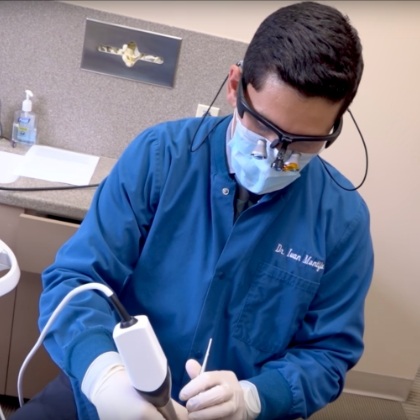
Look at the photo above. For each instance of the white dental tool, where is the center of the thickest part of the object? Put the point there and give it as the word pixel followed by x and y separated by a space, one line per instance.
pixel 146 363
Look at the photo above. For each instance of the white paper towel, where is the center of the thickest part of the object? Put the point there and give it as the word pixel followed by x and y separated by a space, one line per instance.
pixel 9 167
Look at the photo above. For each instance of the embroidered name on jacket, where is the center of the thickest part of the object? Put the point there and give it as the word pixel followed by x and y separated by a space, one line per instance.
pixel 303 259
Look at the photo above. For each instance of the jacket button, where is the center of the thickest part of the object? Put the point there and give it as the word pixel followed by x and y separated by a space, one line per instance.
pixel 225 191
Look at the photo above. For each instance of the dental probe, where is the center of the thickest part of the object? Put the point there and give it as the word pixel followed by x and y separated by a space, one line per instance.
pixel 206 357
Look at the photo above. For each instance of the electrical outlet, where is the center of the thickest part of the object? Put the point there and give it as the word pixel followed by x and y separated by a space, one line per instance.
pixel 201 110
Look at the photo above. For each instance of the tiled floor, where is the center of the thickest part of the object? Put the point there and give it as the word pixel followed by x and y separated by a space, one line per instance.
pixel 412 405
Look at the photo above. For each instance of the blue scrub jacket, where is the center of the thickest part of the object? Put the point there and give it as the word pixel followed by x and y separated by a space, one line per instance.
pixel 281 290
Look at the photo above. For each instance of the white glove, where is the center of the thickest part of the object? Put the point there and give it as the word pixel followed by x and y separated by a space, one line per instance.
pixel 219 395
pixel 114 397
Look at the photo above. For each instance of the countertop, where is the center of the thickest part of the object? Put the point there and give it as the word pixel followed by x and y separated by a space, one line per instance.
pixel 69 203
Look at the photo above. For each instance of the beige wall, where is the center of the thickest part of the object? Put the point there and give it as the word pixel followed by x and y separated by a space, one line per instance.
pixel 387 112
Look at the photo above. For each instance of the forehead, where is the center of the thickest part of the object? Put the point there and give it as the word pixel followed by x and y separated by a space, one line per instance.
pixel 289 109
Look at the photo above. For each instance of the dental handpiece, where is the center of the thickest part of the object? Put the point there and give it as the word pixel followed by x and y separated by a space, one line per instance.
pixel 146 363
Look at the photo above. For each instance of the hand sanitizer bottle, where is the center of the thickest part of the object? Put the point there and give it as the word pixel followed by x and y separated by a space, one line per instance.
pixel 25 123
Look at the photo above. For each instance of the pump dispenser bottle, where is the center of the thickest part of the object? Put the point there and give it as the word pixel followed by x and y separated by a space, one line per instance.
pixel 25 123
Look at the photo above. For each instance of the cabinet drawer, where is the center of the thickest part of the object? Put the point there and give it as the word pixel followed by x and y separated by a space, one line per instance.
pixel 9 220
pixel 38 239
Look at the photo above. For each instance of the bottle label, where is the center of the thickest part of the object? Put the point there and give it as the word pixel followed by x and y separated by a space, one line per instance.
pixel 24 120
pixel 24 130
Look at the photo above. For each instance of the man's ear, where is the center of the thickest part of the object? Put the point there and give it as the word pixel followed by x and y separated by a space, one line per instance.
pixel 234 78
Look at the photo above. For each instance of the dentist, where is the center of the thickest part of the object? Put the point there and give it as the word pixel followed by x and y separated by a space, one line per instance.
pixel 230 228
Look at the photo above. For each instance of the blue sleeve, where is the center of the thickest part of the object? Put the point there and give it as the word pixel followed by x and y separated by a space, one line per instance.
pixel 104 249
pixel 329 342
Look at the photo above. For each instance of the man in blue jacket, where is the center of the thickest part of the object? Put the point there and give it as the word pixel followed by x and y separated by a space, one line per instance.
pixel 230 228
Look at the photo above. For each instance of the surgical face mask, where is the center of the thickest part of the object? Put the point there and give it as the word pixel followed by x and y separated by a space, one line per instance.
pixel 251 158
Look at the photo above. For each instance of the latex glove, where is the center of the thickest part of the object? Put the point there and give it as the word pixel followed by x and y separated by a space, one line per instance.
pixel 214 395
pixel 116 399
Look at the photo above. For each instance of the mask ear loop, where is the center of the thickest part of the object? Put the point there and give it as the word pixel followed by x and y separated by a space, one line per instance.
pixel 366 157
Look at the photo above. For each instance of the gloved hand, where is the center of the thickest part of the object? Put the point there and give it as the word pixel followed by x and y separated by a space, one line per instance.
pixel 115 399
pixel 216 395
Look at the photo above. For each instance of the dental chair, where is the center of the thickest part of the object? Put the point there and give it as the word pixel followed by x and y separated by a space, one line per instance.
pixel 10 279
pixel 8 262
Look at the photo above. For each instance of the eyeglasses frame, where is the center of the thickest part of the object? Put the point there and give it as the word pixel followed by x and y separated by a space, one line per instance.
pixel 284 137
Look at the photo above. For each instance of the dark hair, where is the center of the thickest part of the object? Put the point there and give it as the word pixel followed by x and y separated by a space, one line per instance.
pixel 311 47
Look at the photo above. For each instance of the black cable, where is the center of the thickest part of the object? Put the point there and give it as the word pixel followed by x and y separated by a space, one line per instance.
pixel 73 187
pixel 366 157
pixel 204 116
pixel 126 319
pixel 322 161
pixel 66 187
pixel 63 187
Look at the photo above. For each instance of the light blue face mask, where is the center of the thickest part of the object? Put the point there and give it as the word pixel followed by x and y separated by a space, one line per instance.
pixel 255 173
